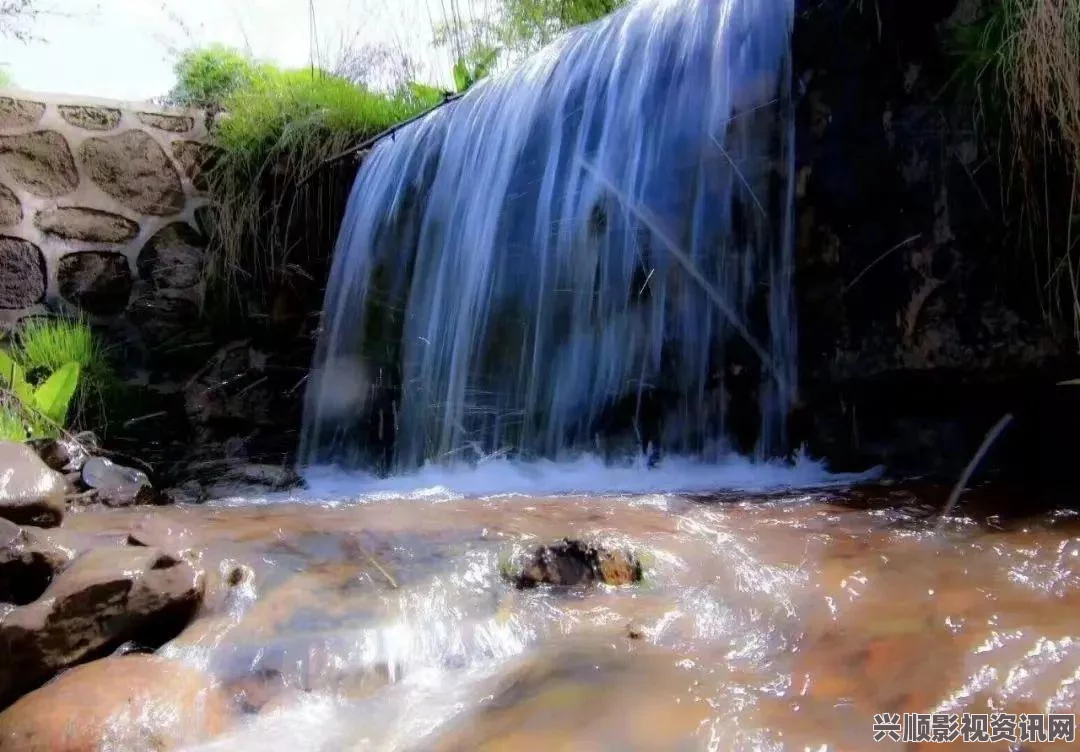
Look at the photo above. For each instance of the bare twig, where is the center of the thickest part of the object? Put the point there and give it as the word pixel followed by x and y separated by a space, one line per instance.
pixel 355 542
pixel 880 258
pixel 961 484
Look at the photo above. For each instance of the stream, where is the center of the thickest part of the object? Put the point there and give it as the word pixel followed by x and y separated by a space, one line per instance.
pixel 772 619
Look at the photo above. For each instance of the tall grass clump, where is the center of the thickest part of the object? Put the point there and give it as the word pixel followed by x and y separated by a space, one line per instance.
pixel 274 205
pixel 1021 61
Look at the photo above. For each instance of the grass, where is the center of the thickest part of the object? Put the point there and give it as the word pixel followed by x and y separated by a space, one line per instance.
pixel 278 128
pixel 44 345
pixel 1021 63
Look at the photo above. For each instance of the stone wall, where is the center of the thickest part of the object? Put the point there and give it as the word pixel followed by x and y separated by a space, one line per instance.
pixel 100 209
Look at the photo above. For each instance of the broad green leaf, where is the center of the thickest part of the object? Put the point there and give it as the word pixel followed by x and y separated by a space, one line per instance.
pixel 53 397
pixel 12 377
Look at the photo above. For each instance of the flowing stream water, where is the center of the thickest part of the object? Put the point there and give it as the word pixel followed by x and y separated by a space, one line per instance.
pixel 780 620
pixel 606 225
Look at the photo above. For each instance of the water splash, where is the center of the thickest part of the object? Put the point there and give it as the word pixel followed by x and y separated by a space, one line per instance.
pixel 592 251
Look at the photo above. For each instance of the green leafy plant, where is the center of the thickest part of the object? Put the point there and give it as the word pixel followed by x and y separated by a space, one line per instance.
pixel 471 68
pixel 53 366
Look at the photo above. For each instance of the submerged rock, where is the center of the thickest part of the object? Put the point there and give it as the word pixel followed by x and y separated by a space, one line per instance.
pixel 570 562
pixel 31 493
pixel 134 702
pixel 105 598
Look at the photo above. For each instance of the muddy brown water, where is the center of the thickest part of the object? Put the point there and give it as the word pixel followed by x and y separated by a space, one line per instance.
pixel 776 623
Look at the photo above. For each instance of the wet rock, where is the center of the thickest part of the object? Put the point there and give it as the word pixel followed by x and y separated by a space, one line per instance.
pixel 40 163
pixel 89 225
pixel 106 476
pixel 134 702
pixel 570 562
pixel 133 169
pixel 105 598
pixel 173 258
pixel 189 492
pixel 28 562
pixel 10 209
pixel 271 477
pixel 62 455
pixel 19 113
pixel 120 486
pixel 90 118
pixel 22 273
pixel 31 493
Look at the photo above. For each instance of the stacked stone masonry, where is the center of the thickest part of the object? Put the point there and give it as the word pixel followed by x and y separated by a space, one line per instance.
pixel 99 207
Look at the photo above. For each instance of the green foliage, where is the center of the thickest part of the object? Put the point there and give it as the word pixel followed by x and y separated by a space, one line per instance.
pixel 472 67
pixel 278 128
pixel 5 78
pixel 516 28
pixel 531 24
pixel 53 365
pixel 206 77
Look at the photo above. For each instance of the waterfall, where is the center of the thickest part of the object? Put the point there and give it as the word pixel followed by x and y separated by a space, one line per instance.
pixel 590 252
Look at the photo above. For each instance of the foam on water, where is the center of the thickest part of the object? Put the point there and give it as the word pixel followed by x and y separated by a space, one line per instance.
pixel 586 475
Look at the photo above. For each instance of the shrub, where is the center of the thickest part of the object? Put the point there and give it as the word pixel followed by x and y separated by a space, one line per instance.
pixel 277 129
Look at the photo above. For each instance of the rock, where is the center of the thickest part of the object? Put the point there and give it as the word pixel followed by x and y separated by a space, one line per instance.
pixel 171 123
pixel 19 113
pixel 189 492
pixel 29 559
pixel 10 209
pixel 134 702
pixel 569 563
pixel 133 169
pixel 40 163
pixel 164 314
pixel 22 273
pixel 173 258
pixel 195 159
pixel 31 493
pixel 90 118
pixel 62 455
pixel 106 597
pixel 89 225
pixel 98 282
pixel 274 477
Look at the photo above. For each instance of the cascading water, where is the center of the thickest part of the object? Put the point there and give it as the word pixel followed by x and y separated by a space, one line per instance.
pixel 594 246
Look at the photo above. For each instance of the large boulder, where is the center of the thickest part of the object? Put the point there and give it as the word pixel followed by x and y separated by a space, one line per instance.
pixel 135 702
pixel 31 493
pixel 105 598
